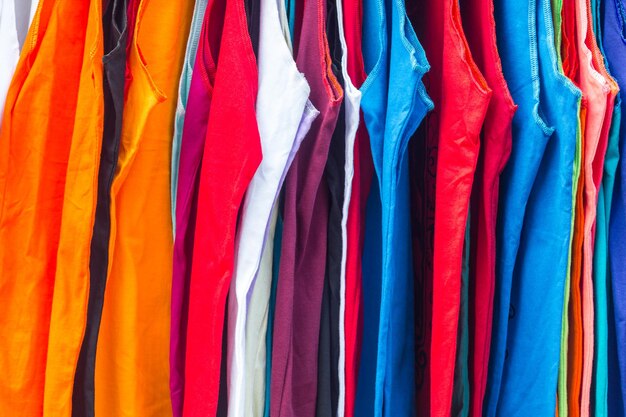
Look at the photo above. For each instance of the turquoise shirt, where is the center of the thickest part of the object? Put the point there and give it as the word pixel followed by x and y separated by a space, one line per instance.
pixel 461 393
pixel 183 93
pixel 601 270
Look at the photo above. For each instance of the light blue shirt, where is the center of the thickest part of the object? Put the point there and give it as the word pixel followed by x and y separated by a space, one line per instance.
pixel 530 373
pixel 516 29
pixel 394 102
pixel 183 94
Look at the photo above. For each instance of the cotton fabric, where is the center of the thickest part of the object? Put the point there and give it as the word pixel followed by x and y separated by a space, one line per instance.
pixel 293 388
pixel 281 100
pixel 184 86
pixel 132 374
pixel 616 396
pixel 394 102
pixel 333 181
pixel 595 148
pixel 39 146
pixel 191 150
pixel 516 30
pixel 113 27
pixel 231 155
pixel 258 322
pixel 457 153
pixel 352 99
pixel 362 177
pixel 495 148
pixel 601 277
pixel 546 229
pixel 9 48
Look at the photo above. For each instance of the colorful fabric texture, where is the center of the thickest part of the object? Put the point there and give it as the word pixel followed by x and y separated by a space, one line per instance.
pixel 320 208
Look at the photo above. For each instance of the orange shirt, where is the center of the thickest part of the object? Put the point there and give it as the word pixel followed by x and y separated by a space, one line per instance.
pixel 71 283
pixel 36 151
pixel 132 359
pixel 575 342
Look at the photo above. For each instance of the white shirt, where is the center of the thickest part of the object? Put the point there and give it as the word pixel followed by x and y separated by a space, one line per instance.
pixel 9 48
pixel 259 296
pixel 281 100
pixel 352 101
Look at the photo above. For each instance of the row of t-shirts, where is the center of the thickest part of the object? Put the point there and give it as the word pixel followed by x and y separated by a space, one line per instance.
pixel 311 208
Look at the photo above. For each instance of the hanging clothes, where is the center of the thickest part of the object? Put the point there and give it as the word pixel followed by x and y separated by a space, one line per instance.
pixel 359 191
pixel 132 374
pixel 534 329
pixel 267 280
pixel 184 86
pixel 601 274
pixel 19 23
pixel 77 285
pixel 394 103
pixel 352 99
pixel 457 152
pixel 257 355
pixel 131 20
pixel 39 148
pixel 601 277
pixel 259 323
pixel 276 248
pixel 332 184
pixel 567 58
pixel 473 271
pixel 280 105
pixel 362 176
pixel 231 155
pixel 195 122
pixel 495 149
pixel 595 88
pixel 517 42
pixel 461 389
pixel 9 48
pixel 613 21
pixel 24 14
pixel 113 27
pixel 593 178
pixel 293 389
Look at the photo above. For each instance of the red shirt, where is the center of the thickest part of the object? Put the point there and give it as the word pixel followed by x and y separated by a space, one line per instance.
pixel 495 149
pixel 452 136
pixel 361 181
pixel 231 156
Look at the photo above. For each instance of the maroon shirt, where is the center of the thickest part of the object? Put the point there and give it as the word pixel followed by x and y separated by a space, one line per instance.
pixel 293 388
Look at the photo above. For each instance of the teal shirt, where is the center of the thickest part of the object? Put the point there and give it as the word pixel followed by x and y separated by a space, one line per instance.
pixel 461 393
pixel 269 336
pixel 601 271
pixel 183 94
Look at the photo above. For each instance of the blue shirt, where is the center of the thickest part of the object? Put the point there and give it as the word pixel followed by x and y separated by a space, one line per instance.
pixel 394 103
